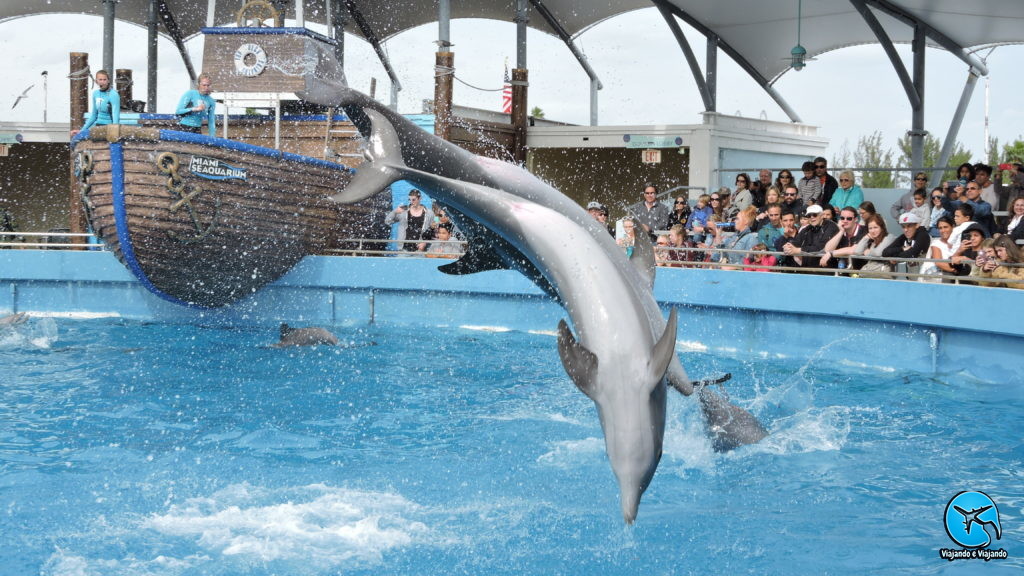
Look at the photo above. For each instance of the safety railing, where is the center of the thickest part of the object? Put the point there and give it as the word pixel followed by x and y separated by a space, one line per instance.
pixel 53 240
pixel 904 268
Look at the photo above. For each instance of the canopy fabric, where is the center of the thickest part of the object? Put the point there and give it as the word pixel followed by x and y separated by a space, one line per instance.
pixel 757 33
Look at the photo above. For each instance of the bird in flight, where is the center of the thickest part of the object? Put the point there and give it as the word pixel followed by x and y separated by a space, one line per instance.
pixel 23 95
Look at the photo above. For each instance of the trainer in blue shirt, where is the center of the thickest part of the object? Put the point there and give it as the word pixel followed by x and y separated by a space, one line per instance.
pixel 197 105
pixel 106 103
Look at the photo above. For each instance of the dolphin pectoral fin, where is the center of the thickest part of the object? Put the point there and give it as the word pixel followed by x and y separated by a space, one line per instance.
pixel 664 350
pixel 728 425
pixel 383 162
pixel 580 364
pixel 476 259
pixel 643 258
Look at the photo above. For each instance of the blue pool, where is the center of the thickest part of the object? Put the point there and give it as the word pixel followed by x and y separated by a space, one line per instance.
pixel 130 447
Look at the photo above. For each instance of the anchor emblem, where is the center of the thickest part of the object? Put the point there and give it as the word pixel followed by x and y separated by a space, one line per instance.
pixel 185 194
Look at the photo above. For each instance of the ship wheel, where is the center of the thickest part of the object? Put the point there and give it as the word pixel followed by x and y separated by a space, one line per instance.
pixel 257 12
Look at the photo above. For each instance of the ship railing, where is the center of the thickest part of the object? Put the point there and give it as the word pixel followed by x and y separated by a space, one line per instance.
pixel 57 239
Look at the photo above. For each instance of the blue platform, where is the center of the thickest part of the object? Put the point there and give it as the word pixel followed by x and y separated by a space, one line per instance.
pixel 888 325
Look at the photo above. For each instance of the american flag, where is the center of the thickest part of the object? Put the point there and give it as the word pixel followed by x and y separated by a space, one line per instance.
pixel 506 94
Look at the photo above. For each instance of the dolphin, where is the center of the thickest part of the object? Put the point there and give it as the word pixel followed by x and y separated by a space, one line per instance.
pixel 422 151
pixel 428 153
pixel 14 319
pixel 618 358
pixel 305 337
pixel 729 426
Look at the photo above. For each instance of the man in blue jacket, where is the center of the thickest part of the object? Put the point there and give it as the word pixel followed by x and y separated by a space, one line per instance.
pixel 196 106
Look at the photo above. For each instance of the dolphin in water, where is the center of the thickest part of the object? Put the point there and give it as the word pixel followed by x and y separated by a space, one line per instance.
pixel 728 425
pixel 305 337
pixel 617 358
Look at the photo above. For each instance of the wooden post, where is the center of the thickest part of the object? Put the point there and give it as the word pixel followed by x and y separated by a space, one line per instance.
pixel 445 71
pixel 123 84
pixel 519 114
pixel 80 76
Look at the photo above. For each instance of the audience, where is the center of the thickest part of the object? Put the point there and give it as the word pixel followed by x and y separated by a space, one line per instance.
pixel 937 212
pixel 811 238
pixel 848 193
pixel 810 185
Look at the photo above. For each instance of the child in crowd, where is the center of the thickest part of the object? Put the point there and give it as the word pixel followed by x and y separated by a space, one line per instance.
pixel 759 258
pixel 921 208
pixel 699 217
pixel 810 185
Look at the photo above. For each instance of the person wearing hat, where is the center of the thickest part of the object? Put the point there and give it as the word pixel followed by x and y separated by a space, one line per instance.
pixel 600 213
pixel 915 242
pixel 967 253
pixel 811 238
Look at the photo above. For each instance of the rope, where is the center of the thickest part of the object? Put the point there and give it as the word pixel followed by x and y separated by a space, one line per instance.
pixel 80 73
pixel 477 87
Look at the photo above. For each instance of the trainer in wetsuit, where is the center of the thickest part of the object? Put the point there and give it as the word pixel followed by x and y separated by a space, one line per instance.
pixel 106 104
pixel 196 106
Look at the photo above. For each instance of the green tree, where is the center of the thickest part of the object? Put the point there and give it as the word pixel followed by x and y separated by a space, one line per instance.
pixel 843 158
pixel 1013 152
pixel 536 112
pixel 932 149
pixel 871 153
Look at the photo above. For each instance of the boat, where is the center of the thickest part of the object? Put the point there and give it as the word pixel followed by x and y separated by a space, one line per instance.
pixel 204 221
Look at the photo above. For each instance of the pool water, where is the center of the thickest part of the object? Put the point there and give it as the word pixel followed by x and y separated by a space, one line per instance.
pixel 140 448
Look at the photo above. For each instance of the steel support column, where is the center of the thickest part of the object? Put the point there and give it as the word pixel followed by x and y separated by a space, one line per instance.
pixel 954 125
pixel 374 41
pixel 108 36
pixel 917 132
pixel 152 21
pixel 763 82
pixel 711 71
pixel 167 17
pixel 595 82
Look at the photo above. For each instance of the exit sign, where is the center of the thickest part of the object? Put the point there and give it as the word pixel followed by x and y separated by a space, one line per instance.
pixel 651 156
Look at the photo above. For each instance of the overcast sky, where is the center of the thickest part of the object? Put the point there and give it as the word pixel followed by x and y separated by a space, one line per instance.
pixel 847 93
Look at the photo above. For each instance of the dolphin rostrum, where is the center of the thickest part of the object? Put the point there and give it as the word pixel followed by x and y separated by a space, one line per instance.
pixel 617 358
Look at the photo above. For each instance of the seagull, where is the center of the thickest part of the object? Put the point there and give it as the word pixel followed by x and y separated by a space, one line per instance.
pixel 23 95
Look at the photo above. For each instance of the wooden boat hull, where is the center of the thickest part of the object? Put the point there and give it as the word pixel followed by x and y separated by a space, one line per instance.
pixel 205 221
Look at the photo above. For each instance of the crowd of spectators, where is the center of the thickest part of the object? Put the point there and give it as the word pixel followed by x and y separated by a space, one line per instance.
pixel 818 223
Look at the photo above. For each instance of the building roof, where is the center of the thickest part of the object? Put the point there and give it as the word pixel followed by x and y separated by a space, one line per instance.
pixel 759 34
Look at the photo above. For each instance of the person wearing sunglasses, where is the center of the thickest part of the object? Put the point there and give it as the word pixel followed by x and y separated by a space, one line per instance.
pixel 829 185
pixel 811 238
pixel 791 202
pixel 650 214
pixel 742 198
pixel 850 233
pixel 848 193
pixel 905 203
pixel 937 211
pixel 680 210
pixel 971 196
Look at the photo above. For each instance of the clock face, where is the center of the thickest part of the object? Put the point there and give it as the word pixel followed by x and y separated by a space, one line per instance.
pixel 250 60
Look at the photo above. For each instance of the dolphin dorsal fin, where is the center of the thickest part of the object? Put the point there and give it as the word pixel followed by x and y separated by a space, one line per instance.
pixel 643 257
pixel 384 160
pixel 664 350
pixel 579 363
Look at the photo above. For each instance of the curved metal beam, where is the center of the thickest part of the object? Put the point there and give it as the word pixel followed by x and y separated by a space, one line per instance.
pixel 691 59
pixel 371 37
pixel 736 56
pixel 890 50
pixel 936 35
pixel 595 82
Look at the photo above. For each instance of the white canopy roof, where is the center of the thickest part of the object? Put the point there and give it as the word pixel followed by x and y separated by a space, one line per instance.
pixel 757 33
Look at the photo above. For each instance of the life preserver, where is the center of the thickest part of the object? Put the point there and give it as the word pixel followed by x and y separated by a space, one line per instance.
pixel 250 60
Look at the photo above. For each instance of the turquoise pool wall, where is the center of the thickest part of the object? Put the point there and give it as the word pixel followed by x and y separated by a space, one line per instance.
pixel 881 324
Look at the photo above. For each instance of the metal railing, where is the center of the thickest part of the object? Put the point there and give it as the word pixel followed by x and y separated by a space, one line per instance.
pixel 48 240
pixel 384 248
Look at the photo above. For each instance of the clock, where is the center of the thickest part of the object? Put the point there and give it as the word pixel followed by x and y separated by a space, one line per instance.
pixel 250 60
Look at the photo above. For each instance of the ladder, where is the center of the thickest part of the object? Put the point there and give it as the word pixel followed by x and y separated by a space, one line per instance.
pixel 338 132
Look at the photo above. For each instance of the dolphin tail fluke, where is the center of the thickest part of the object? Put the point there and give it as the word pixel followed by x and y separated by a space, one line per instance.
pixel 664 350
pixel 580 364
pixel 678 378
pixel 643 258
pixel 475 260
pixel 383 162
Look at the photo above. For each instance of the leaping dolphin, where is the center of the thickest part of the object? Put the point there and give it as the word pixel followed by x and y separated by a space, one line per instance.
pixel 618 358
